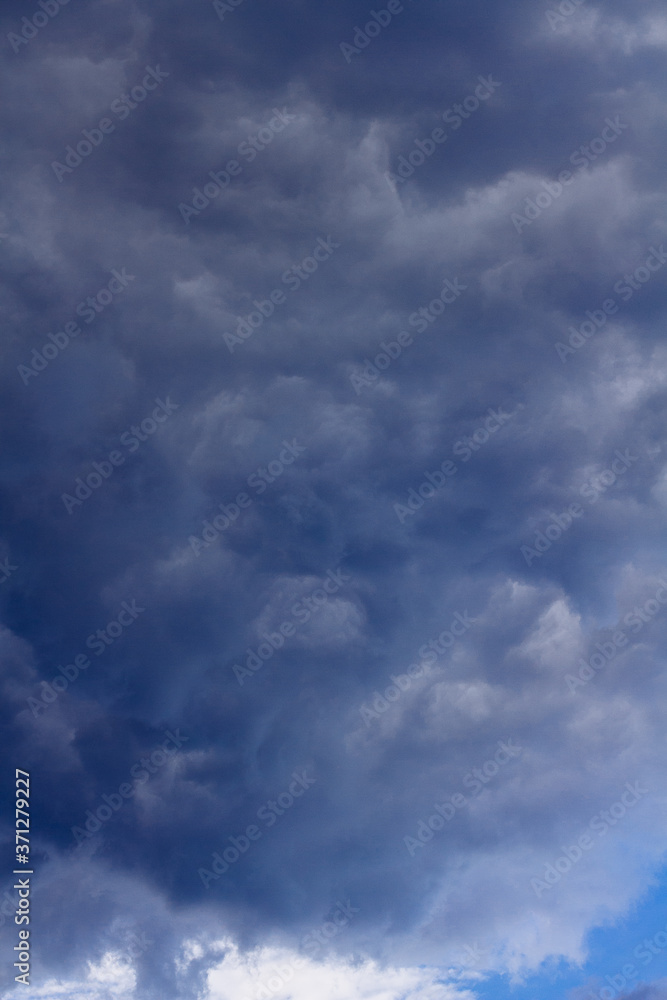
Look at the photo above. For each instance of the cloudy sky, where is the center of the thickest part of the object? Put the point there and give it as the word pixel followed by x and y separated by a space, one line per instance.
pixel 333 581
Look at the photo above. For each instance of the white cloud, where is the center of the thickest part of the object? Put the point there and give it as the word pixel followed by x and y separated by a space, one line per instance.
pixel 241 976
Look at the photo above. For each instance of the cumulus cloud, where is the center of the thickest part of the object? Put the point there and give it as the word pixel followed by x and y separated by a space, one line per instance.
pixel 247 321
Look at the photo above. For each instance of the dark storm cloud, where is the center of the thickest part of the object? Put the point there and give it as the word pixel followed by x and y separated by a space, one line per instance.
pixel 321 181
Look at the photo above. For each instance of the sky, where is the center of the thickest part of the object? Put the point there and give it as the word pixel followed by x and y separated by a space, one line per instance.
pixel 333 569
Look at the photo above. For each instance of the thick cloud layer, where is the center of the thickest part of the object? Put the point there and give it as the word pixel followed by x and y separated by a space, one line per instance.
pixel 334 491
